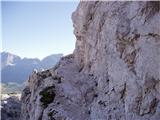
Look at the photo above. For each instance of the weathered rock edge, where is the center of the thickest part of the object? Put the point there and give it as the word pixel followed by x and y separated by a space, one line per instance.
pixel 114 72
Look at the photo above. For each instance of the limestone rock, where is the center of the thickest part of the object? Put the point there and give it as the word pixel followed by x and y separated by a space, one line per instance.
pixel 114 72
pixel 10 108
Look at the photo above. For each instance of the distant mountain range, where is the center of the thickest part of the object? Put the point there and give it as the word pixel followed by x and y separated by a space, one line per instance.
pixel 17 70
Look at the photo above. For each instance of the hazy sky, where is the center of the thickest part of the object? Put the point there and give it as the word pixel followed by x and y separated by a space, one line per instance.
pixel 37 29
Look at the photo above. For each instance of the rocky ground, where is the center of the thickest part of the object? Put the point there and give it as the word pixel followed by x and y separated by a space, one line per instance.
pixel 10 108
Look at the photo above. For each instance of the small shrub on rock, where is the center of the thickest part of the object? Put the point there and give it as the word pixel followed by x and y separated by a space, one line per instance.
pixel 48 95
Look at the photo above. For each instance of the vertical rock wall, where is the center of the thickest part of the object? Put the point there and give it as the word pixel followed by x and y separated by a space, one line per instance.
pixel 114 72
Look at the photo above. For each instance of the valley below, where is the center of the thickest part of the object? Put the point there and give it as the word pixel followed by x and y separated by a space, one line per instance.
pixel 113 73
pixel 15 73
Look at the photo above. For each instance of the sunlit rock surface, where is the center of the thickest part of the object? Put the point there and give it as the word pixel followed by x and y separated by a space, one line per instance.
pixel 114 72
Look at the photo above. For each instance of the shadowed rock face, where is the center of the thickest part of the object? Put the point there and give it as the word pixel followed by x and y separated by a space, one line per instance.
pixel 10 108
pixel 114 72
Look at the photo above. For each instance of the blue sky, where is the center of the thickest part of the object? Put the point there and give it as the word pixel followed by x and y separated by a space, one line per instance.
pixel 37 29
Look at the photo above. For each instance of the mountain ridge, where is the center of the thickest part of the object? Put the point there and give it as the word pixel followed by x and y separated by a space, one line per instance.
pixel 17 69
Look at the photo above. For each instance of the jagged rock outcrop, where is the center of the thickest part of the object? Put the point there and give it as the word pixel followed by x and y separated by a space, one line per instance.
pixel 10 108
pixel 114 72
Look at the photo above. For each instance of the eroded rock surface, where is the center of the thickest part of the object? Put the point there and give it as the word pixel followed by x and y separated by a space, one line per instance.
pixel 114 72
pixel 10 108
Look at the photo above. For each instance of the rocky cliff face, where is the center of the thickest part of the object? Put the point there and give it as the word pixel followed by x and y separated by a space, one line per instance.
pixel 114 72
pixel 10 108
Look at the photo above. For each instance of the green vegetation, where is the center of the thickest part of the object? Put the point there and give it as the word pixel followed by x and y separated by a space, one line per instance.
pixel 51 114
pixel 48 95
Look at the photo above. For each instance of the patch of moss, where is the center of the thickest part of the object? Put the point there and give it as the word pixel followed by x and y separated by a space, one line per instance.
pixel 51 115
pixel 48 95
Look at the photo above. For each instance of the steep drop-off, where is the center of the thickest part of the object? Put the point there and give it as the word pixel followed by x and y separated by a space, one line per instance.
pixel 114 72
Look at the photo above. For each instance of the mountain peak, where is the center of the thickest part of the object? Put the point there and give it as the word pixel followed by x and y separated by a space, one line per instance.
pixel 8 59
pixel 16 69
